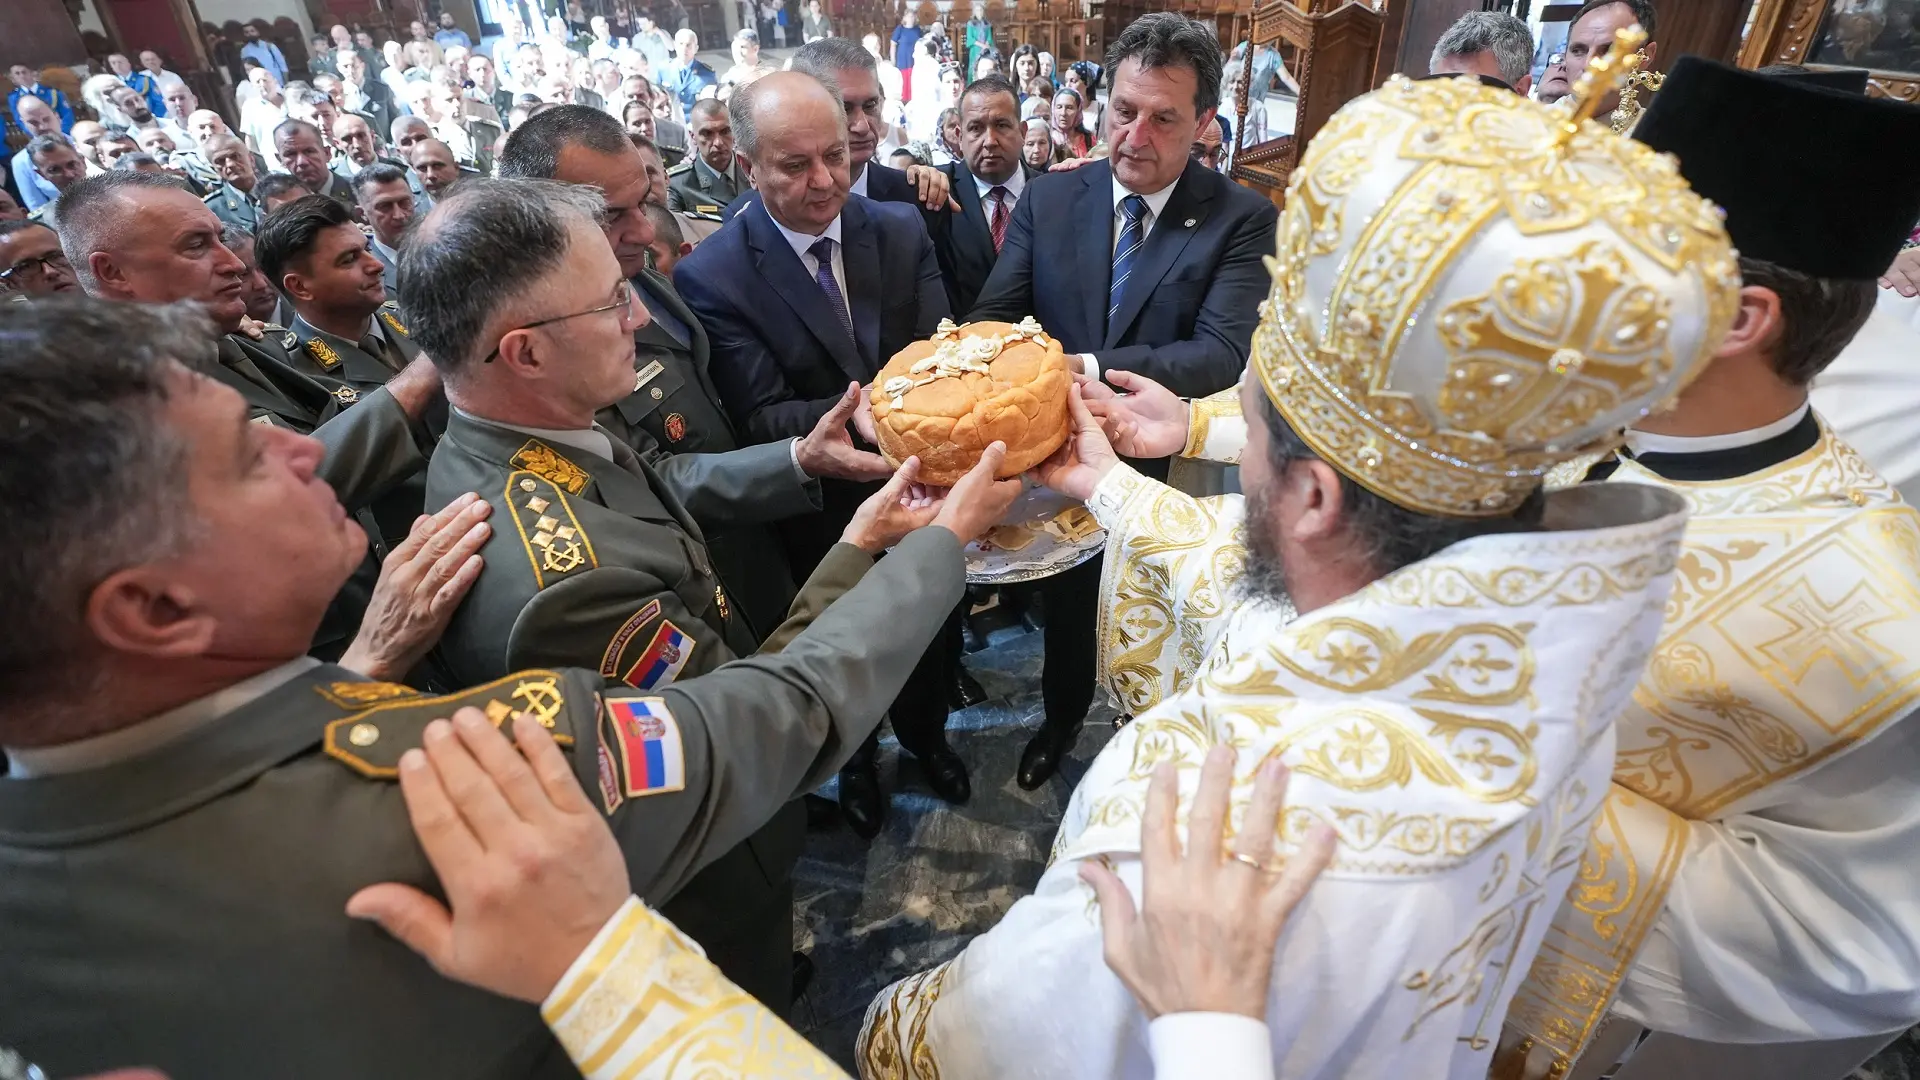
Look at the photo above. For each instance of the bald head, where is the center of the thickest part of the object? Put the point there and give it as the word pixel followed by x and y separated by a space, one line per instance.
pixel 777 100
pixel 433 161
pixel 204 124
pixel 38 116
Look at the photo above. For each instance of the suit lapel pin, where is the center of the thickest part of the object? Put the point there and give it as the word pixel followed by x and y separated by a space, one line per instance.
pixel 1191 222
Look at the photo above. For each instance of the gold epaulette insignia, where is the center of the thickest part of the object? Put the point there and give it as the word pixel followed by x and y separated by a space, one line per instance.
pixel 544 461
pixel 387 316
pixel 371 741
pixel 323 354
pixel 358 695
pixel 555 543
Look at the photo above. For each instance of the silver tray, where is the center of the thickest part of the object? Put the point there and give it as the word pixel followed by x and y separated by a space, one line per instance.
pixel 1062 536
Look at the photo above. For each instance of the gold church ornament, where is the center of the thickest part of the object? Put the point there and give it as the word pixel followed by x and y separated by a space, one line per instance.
pixel 1618 67
pixel 1470 289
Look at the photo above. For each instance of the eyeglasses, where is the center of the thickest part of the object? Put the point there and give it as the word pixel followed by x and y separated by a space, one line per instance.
pixel 35 269
pixel 1556 58
pixel 623 304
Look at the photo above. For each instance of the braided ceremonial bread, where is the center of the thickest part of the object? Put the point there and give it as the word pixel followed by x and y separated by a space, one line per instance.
pixel 947 398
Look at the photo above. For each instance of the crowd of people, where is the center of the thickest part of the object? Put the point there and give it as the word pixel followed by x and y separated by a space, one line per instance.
pixel 463 533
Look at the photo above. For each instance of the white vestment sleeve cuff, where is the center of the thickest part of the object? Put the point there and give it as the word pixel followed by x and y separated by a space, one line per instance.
pixel 1210 1046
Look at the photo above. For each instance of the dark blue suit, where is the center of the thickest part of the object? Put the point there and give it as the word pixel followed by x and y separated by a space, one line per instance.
pixel 782 358
pixel 964 241
pixel 1187 316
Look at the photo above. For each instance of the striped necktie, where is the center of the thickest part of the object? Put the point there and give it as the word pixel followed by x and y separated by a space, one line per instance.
pixel 1133 233
pixel 822 252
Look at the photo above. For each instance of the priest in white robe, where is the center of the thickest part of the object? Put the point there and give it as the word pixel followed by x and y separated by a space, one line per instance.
pixel 1446 694
pixel 1750 878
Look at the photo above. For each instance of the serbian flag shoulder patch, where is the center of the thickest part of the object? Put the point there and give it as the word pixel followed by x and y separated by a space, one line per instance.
pixel 646 739
pixel 663 659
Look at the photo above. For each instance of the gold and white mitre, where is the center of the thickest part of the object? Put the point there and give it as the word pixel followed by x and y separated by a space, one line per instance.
pixel 1472 288
pixel 1467 293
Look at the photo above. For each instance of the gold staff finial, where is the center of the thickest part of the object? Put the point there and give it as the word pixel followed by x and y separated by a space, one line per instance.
pixel 1602 75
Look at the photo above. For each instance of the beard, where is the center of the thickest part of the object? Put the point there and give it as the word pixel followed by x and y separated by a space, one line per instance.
pixel 1265 579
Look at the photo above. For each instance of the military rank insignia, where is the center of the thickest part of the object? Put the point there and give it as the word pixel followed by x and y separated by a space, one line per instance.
pixel 346 395
pixel 542 460
pixel 646 747
pixel 288 340
pixel 323 354
pixel 387 316
pixel 665 656
pixel 676 427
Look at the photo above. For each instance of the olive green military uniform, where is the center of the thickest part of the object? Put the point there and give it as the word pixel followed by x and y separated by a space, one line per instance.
pixel 373 446
pixel 364 364
pixel 235 207
pixel 694 185
pixel 601 565
pixel 185 908
pixel 675 409
pixel 362 367
pixel 339 190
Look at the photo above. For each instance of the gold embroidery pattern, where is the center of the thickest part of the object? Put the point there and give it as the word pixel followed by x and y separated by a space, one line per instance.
pixel 1462 301
pixel 893 1039
pixel 323 354
pixel 1152 637
pixel 1779 651
pixel 648 1002
pixel 359 695
pixel 1200 416
pixel 387 316
pixel 542 460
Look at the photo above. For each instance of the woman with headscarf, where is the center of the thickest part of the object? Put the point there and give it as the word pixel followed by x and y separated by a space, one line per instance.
pixel 1047 69
pixel 1070 140
pixel 1082 76
pixel 1036 145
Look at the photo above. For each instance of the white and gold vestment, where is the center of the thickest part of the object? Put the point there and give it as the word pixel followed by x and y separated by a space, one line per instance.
pixel 1469 291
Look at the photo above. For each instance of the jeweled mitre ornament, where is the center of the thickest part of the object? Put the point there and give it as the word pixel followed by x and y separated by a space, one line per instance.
pixel 1472 288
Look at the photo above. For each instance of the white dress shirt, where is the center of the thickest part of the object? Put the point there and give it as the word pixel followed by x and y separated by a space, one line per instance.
pixel 1210 1046
pixel 1016 186
pixel 1156 202
pixel 803 244
pixel 859 185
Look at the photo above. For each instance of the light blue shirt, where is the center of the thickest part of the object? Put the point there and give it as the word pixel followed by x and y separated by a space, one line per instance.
pixel 267 55
pixel 34 188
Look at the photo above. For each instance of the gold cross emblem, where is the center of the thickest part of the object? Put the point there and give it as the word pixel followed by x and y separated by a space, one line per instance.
pixel 541 698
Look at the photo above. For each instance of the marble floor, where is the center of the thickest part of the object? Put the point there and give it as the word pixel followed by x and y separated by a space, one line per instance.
pixel 872 912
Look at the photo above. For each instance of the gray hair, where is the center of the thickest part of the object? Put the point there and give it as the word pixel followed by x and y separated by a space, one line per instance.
pixel 83 385
pixel 90 213
pixel 1163 39
pixel 477 252
pixel 740 107
pixel 1504 35
pixel 40 144
pixel 827 58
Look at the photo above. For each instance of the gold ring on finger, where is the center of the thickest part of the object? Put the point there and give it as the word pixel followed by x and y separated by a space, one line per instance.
pixel 1255 863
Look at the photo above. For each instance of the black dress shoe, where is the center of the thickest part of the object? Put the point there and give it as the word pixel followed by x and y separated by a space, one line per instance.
pixel 947 775
pixel 822 812
pixel 802 974
pixel 1044 753
pixel 861 803
pixel 966 691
